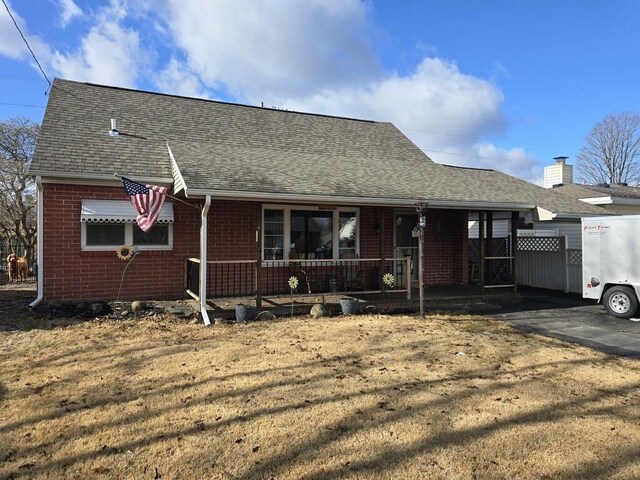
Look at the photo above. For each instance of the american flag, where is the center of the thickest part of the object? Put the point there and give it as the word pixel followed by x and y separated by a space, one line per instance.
pixel 147 200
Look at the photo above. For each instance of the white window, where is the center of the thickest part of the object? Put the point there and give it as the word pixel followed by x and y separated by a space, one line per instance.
pixel 309 232
pixel 106 224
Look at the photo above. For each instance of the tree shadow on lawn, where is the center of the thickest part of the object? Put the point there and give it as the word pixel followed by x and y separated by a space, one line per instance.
pixel 349 424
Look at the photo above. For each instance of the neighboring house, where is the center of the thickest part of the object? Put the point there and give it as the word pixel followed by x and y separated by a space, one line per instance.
pixel 271 187
pixel 611 199
pixel 614 198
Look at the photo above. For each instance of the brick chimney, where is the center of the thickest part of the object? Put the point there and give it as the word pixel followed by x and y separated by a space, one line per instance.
pixel 558 174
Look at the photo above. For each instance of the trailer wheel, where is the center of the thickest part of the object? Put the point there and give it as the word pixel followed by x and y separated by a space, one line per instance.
pixel 621 302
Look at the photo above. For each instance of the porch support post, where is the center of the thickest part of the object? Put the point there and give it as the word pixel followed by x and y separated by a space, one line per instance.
pixel 407 275
pixel 481 251
pixel 421 270
pixel 259 258
pixel 421 208
pixel 381 269
pixel 489 246
pixel 515 218
pixel 203 260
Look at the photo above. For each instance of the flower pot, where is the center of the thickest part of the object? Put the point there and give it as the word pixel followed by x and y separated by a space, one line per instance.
pixel 245 313
pixel 350 306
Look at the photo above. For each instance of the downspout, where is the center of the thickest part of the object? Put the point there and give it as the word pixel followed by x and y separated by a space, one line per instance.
pixel 203 260
pixel 40 241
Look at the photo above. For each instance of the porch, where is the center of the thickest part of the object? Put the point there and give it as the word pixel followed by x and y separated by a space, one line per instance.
pixel 313 277
pixel 265 285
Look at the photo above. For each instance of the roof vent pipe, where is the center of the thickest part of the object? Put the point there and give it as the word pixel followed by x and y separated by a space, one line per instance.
pixel 114 131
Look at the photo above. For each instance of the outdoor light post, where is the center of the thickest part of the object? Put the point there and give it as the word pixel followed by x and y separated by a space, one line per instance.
pixel 421 208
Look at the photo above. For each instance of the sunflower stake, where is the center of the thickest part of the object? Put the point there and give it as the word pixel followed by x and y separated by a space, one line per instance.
pixel 126 253
pixel 293 284
pixel 388 280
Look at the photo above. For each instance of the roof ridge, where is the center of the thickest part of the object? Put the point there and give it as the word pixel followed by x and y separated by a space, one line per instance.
pixel 219 102
pixel 470 168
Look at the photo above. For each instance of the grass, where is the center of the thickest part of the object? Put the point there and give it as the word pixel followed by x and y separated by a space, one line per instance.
pixel 347 397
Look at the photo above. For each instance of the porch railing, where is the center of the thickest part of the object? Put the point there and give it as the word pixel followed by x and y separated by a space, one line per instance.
pixel 236 278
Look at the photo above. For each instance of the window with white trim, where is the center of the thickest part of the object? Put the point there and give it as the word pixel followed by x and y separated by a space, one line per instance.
pixel 309 232
pixel 106 224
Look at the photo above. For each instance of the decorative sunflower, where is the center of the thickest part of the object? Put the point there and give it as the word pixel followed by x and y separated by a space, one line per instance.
pixel 125 252
pixel 293 283
pixel 388 279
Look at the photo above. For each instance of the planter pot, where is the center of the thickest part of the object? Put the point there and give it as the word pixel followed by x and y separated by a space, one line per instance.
pixel 350 306
pixel 245 313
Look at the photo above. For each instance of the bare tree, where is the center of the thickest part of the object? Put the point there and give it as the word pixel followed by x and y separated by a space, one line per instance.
pixel 611 152
pixel 18 138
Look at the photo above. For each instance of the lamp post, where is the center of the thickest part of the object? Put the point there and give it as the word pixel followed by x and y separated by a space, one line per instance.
pixel 421 208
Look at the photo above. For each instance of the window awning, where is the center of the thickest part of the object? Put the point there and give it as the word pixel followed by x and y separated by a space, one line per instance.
pixel 118 211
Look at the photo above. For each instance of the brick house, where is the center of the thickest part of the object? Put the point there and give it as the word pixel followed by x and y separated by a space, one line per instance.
pixel 269 190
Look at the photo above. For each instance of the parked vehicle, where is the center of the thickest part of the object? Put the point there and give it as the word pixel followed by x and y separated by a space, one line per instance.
pixel 611 262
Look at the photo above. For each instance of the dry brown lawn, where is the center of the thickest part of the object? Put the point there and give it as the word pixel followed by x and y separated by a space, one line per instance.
pixel 345 397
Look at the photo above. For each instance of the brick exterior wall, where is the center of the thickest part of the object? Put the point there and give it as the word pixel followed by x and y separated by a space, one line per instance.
pixel 446 251
pixel 71 274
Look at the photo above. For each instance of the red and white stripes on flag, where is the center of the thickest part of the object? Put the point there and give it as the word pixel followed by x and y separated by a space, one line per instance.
pixel 147 200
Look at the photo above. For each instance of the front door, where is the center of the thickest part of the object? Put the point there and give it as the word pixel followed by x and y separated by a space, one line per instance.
pixel 405 243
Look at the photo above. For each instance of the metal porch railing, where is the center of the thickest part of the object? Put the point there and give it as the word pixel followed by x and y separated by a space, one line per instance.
pixel 237 278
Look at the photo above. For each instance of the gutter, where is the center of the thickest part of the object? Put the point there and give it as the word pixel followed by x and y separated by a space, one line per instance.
pixel 89 178
pixel 40 241
pixel 344 200
pixel 612 200
pixel 577 216
pixel 203 261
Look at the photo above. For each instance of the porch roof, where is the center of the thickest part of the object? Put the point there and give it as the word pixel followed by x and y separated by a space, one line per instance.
pixel 224 149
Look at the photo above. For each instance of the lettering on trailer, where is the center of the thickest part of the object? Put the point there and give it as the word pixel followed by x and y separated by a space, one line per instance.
pixel 597 229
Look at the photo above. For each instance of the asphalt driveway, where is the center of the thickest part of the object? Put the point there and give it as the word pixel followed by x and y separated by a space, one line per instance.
pixel 573 319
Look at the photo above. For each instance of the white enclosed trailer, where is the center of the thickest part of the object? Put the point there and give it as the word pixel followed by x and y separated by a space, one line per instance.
pixel 611 262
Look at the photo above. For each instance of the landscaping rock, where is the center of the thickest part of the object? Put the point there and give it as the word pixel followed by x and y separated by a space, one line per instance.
pixel 81 307
pixel 265 315
pixel 180 311
pixel 319 310
pixel 138 306
pixel 97 308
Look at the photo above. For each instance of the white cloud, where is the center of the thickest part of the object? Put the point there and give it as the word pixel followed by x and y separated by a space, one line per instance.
pixel 258 50
pixel 109 53
pixel 514 161
pixel 11 45
pixel 436 103
pixel 176 78
pixel 69 11
pixel 443 111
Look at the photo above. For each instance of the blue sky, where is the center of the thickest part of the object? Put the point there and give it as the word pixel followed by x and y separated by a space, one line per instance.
pixel 501 84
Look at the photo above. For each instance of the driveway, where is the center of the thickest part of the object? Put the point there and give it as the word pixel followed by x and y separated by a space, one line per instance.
pixel 573 319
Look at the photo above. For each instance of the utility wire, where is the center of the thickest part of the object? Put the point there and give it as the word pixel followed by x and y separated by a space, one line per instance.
pixel 26 43
pixel 8 104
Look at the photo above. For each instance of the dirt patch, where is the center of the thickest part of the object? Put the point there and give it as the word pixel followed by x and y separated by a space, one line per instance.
pixel 346 397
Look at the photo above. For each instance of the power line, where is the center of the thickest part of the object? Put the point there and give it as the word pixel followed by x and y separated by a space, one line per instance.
pixel 26 43
pixel 8 104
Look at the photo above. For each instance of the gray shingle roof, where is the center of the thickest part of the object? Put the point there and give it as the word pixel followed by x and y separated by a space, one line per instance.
pixel 222 147
pixel 594 191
